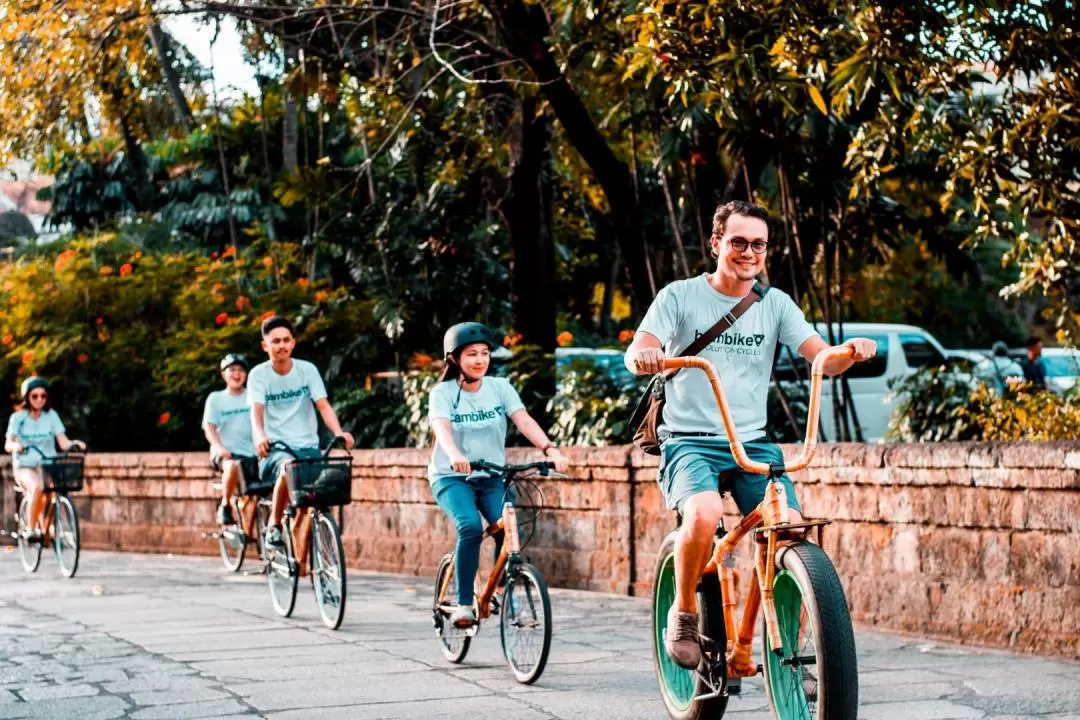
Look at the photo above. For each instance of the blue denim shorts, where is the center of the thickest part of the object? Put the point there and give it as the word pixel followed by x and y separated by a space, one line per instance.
pixel 271 466
pixel 690 465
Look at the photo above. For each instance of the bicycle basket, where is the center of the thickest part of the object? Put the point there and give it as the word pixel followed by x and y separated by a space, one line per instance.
pixel 320 482
pixel 528 501
pixel 251 480
pixel 63 473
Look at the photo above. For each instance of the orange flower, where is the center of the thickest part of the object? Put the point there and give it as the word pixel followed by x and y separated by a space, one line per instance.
pixel 216 286
pixel 268 261
pixel 221 319
pixel 512 339
pixel 267 315
pixel 163 418
pixel 421 361
pixel 322 296
pixel 8 340
pixel 303 282
pixel 100 321
pixel 138 254
pixel 564 338
pixel 82 359
pixel 63 259
pixel 105 270
pixel 28 357
pixel 229 251
pixel 626 336
pixel 242 303
pixel 125 269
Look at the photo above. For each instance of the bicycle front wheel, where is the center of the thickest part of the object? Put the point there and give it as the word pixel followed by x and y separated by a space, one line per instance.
pixel 283 573
pixel 66 535
pixel 682 689
pixel 525 623
pixel 328 569
pixel 453 641
pixel 29 552
pixel 817 678
pixel 232 540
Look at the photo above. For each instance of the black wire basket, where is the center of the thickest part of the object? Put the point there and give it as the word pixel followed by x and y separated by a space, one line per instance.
pixel 63 473
pixel 319 482
pixel 251 480
pixel 528 502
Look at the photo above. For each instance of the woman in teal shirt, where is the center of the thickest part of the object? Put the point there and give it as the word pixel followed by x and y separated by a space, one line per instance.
pixel 468 414
pixel 35 425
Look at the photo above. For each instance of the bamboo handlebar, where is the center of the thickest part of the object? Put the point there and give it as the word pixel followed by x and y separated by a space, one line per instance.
pixel 817 374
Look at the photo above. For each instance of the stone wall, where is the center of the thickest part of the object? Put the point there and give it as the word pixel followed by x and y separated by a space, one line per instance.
pixel 969 542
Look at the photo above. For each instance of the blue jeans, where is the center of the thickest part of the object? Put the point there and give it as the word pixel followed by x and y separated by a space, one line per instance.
pixel 464 500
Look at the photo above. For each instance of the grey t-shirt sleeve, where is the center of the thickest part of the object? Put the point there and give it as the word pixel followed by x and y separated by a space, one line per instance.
pixel 57 423
pixel 13 425
pixel 439 402
pixel 662 318
pixel 210 416
pixel 314 382
pixel 256 387
pixel 794 329
pixel 510 398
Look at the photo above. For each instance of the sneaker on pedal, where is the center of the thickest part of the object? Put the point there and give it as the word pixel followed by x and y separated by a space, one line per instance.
pixel 463 617
pixel 224 515
pixel 273 539
pixel 681 639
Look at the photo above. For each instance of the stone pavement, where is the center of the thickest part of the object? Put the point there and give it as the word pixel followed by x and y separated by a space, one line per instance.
pixel 163 637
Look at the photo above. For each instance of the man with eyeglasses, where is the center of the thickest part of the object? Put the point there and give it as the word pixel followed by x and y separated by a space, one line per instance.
pixel 694 448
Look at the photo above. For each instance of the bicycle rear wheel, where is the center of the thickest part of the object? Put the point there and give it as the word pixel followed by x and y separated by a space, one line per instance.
pixel 283 573
pixel 453 641
pixel 328 569
pixel 66 535
pixel 817 678
pixel 232 540
pixel 681 688
pixel 525 623
pixel 29 552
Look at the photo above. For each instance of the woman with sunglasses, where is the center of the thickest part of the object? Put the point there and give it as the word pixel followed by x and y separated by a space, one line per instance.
pixel 35 424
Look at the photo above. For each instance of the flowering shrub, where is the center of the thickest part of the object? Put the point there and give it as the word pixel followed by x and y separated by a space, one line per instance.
pixel 131 341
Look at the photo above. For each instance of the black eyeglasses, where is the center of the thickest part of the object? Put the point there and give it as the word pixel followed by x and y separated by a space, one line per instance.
pixel 739 245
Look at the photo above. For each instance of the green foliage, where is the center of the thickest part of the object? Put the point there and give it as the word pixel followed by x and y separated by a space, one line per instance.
pixel 589 407
pixel 937 404
pixel 131 340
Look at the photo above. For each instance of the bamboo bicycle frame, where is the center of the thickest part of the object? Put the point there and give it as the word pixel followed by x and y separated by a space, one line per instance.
pixel 511 546
pixel 771 515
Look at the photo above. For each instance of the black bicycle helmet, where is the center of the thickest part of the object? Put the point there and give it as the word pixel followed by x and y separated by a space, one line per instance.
pixel 233 359
pixel 464 334
pixel 30 383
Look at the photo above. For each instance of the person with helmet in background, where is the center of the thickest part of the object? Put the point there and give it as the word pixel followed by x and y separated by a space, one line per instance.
pixel 468 413
pixel 227 426
pixel 34 424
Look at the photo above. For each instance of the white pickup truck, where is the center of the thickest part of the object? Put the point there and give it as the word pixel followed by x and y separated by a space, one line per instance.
pixel 901 350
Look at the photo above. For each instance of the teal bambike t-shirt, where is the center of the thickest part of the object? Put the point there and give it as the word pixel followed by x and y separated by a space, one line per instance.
pixel 478 421
pixel 289 400
pixel 231 415
pixel 40 433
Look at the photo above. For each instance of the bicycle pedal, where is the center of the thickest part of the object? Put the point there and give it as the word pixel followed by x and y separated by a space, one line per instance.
pixel 734 686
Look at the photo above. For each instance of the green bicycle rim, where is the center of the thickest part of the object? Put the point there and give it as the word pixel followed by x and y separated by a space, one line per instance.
pixel 679 683
pixel 788 695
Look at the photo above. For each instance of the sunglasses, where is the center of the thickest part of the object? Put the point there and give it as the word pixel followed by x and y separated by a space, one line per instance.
pixel 739 245
pixel 38 396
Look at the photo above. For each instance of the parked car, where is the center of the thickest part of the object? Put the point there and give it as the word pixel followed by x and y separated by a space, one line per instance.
pixel 901 350
pixel 1062 368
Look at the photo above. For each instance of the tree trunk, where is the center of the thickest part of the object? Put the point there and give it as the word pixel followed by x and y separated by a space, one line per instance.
pixel 161 43
pixel 144 190
pixel 527 211
pixel 524 33
pixel 290 151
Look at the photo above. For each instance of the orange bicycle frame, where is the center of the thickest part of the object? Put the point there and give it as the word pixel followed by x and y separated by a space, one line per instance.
pixel 771 515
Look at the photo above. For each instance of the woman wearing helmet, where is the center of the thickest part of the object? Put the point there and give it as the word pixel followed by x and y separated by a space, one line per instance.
pixel 35 425
pixel 468 414
pixel 227 427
